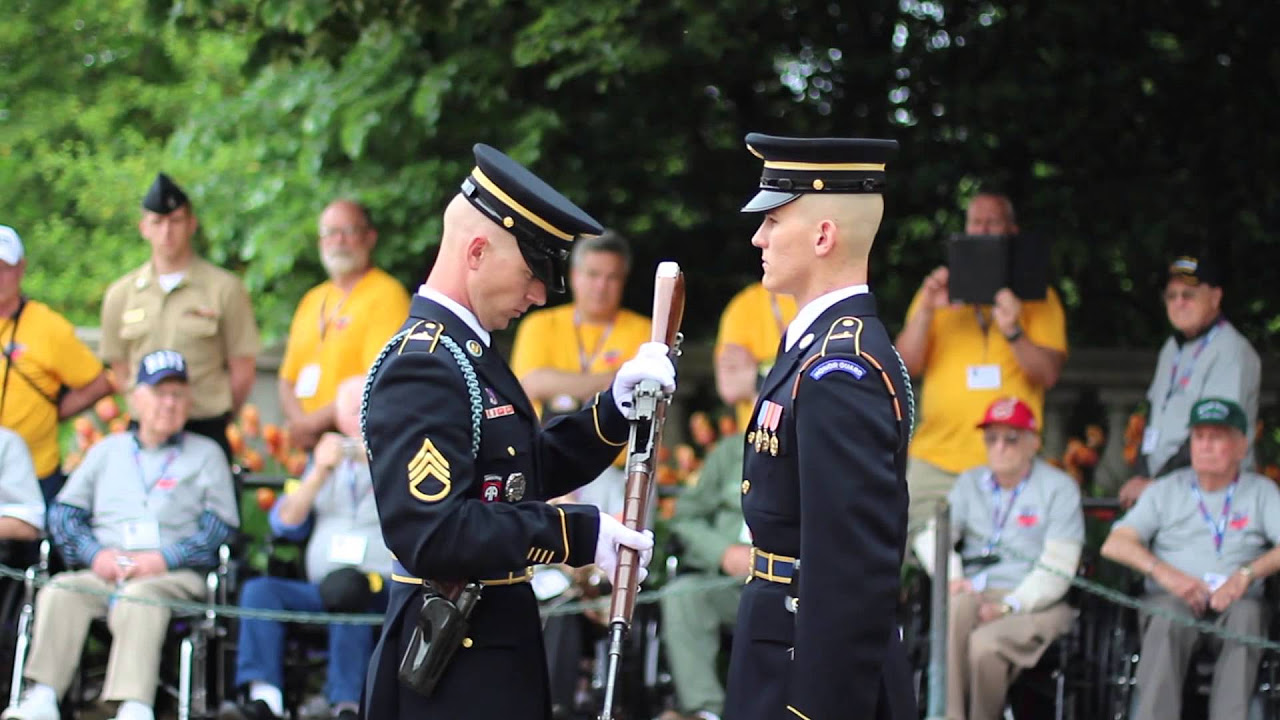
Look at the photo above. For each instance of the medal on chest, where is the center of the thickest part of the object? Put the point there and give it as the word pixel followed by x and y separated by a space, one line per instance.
pixel 764 438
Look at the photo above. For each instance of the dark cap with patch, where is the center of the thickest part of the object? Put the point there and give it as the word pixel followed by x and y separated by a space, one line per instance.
pixel 544 222
pixel 1219 411
pixel 1200 267
pixel 164 196
pixel 796 166
pixel 160 365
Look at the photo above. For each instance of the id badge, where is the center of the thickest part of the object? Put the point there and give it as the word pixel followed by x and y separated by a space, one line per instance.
pixel 979 582
pixel 1150 438
pixel 347 549
pixel 1214 581
pixel 308 381
pixel 983 377
pixel 142 535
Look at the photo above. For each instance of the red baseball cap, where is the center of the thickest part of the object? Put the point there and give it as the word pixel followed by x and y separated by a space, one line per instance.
pixel 1009 411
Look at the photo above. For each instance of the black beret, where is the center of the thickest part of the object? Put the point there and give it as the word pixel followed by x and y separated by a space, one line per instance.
pixel 794 166
pixel 544 222
pixel 164 196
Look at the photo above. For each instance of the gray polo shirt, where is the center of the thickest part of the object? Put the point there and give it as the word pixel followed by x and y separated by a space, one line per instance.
pixel 20 495
pixel 122 484
pixel 1168 519
pixel 1047 507
pixel 345 508
pixel 1220 363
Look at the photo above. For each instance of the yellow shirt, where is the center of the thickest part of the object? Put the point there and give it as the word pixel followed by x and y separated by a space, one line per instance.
pixel 207 317
pixel 46 352
pixel 334 337
pixel 553 338
pixel 755 319
pixel 950 410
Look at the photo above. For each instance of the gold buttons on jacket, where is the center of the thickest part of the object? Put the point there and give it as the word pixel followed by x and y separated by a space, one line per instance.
pixel 466 642
pixel 511 451
pixel 746 485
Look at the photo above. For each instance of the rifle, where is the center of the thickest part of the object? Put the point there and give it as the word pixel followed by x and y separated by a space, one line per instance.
pixel 642 451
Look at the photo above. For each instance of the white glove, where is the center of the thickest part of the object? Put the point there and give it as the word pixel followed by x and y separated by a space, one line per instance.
pixel 614 534
pixel 650 363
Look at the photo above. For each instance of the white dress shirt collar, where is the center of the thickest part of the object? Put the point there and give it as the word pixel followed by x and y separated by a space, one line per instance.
pixel 452 306
pixel 815 308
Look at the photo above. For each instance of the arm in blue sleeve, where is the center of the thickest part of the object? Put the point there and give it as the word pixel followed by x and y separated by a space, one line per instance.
pixel 293 533
pixel 198 551
pixel 73 534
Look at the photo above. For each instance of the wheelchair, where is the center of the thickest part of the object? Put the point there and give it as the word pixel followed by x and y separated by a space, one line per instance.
pixel 195 636
pixel 1120 652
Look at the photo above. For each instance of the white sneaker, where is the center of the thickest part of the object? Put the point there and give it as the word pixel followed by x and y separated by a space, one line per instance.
pixel 33 706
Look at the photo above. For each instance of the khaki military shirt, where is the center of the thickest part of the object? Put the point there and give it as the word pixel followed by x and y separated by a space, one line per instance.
pixel 207 318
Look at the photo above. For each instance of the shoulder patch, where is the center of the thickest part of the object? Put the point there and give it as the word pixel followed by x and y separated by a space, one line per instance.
pixel 845 332
pixel 844 365
pixel 422 337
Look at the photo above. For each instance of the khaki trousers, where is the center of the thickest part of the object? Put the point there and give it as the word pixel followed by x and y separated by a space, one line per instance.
pixel 927 484
pixel 1166 651
pixel 983 660
pixel 138 631
pixel 691 624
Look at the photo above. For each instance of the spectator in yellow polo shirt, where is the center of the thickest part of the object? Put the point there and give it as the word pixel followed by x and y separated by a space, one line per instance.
pixel 341 324
pixel 565 355
pixel 967 356
pixel 180 301
pixel 46 373
pixel 751 327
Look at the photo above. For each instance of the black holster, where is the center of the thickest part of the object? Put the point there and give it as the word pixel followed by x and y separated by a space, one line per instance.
pixel 441 627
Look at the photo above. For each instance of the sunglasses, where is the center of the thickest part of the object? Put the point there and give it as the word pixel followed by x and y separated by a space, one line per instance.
pixel 1008 437
pixel 1185 294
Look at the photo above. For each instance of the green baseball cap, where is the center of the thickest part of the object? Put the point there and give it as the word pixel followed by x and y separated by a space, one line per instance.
pixel 1219 411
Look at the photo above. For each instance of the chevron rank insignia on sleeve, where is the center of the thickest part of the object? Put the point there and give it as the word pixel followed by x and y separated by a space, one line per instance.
pixel 428 463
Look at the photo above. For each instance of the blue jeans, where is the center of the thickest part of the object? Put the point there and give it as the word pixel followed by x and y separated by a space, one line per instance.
pixel 260 654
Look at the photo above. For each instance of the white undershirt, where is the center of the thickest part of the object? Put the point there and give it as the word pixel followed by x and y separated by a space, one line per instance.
pixel 452 305
pixel 816 307
pixel 169 281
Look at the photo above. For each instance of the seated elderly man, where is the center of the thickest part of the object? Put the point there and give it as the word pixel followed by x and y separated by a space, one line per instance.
pixel 1200 536
pixel 346 561
pixel 145 513
pixel 1014 518
pixel 21 502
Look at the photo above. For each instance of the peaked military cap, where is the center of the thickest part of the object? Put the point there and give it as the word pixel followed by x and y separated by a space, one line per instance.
pixel 164 196
pixel 795 166
pixel 544 222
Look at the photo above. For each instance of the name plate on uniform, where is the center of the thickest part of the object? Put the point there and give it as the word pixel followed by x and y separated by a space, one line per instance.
pixel 142 535
pixel 347 549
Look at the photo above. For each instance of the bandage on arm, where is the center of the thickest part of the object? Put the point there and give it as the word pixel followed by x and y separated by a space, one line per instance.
pixel 1043 586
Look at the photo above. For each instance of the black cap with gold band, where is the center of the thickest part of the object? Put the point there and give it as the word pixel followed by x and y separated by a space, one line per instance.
pixel 796 166
pixel 544 222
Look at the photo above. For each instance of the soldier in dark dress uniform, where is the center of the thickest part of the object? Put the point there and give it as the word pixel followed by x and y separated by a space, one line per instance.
pixel 460 466
pixel 823 488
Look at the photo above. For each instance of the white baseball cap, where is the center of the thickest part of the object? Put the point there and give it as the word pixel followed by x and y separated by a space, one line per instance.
pixel 10 246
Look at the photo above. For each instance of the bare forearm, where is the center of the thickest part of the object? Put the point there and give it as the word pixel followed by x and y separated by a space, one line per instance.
pixel 296 506
pixel 242 371
pixel 546 383
pixel 1267 564
pixel 1128 551
pixel 14 529
pixel 913 342
pixel 288 401
pixel 83 397
pixel 1042 365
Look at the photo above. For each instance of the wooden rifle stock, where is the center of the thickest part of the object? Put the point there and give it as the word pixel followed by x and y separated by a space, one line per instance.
pixel 642 454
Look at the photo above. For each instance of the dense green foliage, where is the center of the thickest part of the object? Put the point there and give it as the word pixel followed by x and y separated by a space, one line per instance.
pixel 1123 131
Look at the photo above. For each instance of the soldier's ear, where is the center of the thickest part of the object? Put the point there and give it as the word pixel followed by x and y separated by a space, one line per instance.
pixel 476 249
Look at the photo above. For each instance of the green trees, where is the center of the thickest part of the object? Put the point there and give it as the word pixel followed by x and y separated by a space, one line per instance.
pixel 1121 132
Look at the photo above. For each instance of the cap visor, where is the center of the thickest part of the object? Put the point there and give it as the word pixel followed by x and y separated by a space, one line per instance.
pixel 163 375
pixel 766 200
pixel 547 269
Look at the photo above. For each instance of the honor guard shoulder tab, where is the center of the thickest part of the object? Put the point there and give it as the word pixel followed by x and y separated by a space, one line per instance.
pixel 422 337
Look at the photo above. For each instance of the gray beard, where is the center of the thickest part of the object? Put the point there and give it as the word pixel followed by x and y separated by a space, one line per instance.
pixel 339 265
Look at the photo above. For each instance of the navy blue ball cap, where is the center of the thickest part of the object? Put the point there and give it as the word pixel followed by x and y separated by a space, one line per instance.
pixel 796 166
pixel 164 196
pixel 544 222
pixel 160 365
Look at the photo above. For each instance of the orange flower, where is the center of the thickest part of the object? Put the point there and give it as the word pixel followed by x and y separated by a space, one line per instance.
pixel 107 409
pixel 251 420
pixel 235 438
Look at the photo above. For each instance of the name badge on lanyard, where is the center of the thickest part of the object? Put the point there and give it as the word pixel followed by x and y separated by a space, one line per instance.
pixel 142 535
pixel 1218 530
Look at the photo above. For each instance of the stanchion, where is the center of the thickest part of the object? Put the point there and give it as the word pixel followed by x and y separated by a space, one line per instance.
pixel 938 611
